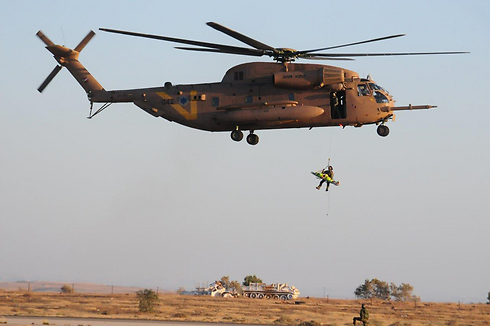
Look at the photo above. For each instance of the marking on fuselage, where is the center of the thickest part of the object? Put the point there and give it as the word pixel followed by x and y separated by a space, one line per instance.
pixel 179 108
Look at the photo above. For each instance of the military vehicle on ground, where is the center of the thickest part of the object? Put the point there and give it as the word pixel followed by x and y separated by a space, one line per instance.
pixel 273 291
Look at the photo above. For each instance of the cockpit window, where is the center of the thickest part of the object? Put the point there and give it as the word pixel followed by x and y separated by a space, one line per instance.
pixel 375 87
pixel 380 97
pixel 363 90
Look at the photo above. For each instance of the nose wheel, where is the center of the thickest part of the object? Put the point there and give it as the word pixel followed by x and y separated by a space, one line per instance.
pixel 383 130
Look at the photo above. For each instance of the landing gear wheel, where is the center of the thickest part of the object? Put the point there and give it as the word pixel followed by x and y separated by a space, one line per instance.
pixel 236 135
pixel 253 139
pixel 383 130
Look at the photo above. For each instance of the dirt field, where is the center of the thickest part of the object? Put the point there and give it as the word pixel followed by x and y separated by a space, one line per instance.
pixel 241 310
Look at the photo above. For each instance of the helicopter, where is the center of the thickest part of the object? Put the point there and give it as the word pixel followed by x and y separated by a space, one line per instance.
pixel 252 96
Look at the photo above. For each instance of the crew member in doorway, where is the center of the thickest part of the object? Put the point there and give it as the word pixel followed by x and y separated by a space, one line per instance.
pixel 335 106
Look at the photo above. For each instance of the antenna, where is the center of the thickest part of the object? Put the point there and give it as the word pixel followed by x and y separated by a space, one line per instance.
pixel 63 34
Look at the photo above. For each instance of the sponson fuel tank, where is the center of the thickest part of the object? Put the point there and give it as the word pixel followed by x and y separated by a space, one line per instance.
pixel 267 114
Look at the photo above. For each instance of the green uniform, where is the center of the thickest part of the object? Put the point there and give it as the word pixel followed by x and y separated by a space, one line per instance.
pixel 363 316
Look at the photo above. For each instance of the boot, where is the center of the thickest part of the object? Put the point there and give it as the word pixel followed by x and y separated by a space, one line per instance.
pixel 317 187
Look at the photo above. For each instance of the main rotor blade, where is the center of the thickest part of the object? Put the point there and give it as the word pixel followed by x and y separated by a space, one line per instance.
pixel 44 38
pixel 248 52
pixel 325 58
pixel 183 41
pixel 350 44
pixel 84 42
pixel 334 55
pixel 50 77
pixel 243 38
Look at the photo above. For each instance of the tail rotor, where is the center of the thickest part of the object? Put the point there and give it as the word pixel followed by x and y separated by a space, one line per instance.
pixel 50 77
pixel 61 54
pixel 45 39
pixel 84 42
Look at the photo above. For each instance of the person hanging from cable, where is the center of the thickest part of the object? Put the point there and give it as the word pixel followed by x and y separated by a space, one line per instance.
pixel 328 172
pixel 326 175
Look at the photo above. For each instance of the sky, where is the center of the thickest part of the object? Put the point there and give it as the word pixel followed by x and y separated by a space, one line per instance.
pixel 129 199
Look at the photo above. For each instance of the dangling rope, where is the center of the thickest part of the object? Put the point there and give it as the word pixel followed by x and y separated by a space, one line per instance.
pixel 328 164
pixel 328 201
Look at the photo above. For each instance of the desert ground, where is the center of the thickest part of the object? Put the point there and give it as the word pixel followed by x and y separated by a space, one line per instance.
pixel 175 307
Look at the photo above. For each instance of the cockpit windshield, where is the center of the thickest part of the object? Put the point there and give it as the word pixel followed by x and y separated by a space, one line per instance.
pixel 380 97
pixel 375 87
pixel 371 89
pixel 379 93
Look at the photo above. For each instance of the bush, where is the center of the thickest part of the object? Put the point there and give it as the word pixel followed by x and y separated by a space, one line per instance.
pixel 67 289
pixel 251 279
pixel 382 290
pixel 147 300
pixel 225 280
pixel 402 292
pixel 181 290
pixel 235 285
pixel 365 290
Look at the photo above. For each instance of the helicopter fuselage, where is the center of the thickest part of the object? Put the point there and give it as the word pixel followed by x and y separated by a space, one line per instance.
pixel 255 96
pixel 251 96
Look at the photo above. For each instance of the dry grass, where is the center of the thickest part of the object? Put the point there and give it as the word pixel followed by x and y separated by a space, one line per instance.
pixel 242 310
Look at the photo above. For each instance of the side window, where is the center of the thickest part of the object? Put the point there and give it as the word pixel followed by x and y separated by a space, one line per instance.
pixel 291 96
pixel 215 101
pixel 249 99
pixel 362 90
